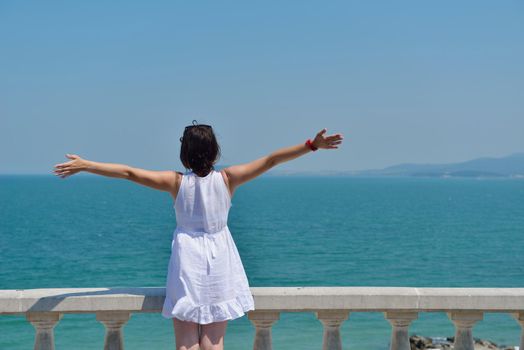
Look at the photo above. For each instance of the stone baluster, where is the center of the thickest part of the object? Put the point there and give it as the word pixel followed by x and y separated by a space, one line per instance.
pixel 400 321
pixel 519 316
pixel 113 321
pixel 332 319
pixel 44 322
pixel 464 321
pixel 263 321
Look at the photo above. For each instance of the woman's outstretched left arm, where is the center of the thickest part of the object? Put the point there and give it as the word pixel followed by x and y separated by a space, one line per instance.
pixel 160 180
pixel 239 174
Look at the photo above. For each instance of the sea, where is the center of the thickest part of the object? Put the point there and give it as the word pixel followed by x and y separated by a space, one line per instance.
pixel 92 231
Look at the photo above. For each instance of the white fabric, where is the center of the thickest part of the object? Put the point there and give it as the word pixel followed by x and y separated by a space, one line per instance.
pixel 206 281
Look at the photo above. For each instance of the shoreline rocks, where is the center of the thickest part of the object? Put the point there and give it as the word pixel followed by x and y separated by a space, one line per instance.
pixel 419 342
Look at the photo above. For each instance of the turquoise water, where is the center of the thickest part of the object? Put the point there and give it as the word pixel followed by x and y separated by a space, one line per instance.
pixel 89 231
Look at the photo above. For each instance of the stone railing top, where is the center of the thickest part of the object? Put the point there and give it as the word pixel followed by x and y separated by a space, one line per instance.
pixel 292 299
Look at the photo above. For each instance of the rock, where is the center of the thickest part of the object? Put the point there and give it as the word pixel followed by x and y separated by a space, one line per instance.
pixel 481 344
pixel 419 342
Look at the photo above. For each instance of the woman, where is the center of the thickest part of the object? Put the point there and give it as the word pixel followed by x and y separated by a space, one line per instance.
pixel 206 282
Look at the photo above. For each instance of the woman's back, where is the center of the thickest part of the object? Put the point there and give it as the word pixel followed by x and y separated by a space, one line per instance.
pixel 206 281
pixel 202 203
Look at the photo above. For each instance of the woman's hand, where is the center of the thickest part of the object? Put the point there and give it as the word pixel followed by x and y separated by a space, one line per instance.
pixel 327 142
pixel 72 167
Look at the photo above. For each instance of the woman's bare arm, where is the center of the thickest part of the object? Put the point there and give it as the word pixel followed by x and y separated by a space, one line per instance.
pixel 239 174
pixel 161 180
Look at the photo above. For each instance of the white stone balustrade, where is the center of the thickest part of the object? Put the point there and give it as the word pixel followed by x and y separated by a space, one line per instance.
pixel 263 321
pixel 332 319
pixel 332 305
pixel 44 322
pixel 113 321
pixel 400 321
pixel 464 321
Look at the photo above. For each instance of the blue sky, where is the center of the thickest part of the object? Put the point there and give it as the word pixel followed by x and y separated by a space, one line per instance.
pixel 116 81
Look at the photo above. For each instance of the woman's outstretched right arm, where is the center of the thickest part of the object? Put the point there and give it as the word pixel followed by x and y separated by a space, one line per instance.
pixel 167 180
pixel 239 174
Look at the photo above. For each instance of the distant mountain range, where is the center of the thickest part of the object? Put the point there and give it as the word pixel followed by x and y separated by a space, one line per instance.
pixel 506 167
pixel 510 166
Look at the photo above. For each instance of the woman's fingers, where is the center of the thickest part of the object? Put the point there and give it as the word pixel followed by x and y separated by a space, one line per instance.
pixel 70 156
pixel 334 137
pixel 66 169
pixel 322 132
pixel 331 143
pixel 61 165
pixel 74 158
pixel 66 173
pixel 328 141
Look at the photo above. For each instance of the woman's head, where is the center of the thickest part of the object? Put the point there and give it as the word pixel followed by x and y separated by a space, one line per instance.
pixel 199 150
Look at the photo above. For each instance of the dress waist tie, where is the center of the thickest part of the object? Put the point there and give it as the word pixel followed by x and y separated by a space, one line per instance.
pixel 210 245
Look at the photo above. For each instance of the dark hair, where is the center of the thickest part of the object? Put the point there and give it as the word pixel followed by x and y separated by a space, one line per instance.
pixel 199 150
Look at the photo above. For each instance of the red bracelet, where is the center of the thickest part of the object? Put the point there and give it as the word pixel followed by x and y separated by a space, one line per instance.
pixel 310 145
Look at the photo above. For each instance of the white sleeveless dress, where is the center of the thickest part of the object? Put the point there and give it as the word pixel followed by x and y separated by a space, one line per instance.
pixel 206 281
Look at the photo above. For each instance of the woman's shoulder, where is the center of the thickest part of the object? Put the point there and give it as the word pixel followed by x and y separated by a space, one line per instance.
pixel 178 181
pixel 222 173
pixel 225 177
